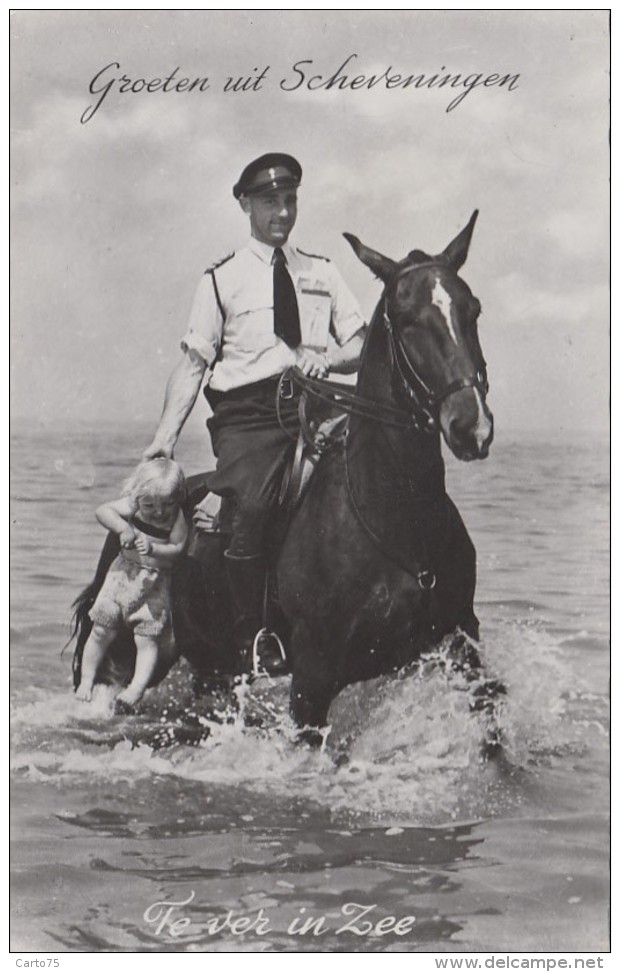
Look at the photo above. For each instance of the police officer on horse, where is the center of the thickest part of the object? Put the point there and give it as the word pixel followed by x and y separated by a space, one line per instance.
pixel 264 309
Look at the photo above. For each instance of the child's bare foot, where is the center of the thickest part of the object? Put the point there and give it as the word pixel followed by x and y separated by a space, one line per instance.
pixel 84 693
pixel 126 701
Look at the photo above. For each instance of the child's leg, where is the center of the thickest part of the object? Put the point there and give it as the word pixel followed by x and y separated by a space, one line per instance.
pixel 94 652
pixel 147 651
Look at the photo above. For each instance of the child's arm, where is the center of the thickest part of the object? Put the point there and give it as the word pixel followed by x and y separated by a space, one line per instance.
pixel 165 551
pixel 114 516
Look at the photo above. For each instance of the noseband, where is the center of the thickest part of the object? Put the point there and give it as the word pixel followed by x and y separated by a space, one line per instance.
pixel 424 400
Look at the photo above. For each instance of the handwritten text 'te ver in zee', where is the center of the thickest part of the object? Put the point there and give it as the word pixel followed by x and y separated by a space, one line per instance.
pixel 354 919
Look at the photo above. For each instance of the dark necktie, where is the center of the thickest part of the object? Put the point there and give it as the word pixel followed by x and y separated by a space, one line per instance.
pixel 285 309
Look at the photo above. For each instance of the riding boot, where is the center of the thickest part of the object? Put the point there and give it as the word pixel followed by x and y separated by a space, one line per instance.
pixel 246 578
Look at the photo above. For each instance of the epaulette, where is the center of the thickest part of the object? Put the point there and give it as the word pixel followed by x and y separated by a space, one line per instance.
pixel 220 263
pixel 313 256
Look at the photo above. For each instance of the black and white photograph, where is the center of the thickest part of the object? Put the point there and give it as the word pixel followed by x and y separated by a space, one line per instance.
pixel 310 482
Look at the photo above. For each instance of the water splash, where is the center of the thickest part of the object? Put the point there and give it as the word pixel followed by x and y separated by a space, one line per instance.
pixel 413 747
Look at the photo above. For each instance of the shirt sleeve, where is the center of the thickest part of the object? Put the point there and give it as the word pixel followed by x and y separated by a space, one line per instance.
pixel 204 330
pixel 347 318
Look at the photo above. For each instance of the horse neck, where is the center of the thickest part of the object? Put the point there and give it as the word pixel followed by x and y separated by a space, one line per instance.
pixel 413 457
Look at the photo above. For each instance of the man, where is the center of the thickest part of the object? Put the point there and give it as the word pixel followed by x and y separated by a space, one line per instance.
pixel 266 308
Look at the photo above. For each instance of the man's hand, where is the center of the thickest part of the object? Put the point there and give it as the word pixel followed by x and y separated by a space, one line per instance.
pixel 183 386
pixel 315 364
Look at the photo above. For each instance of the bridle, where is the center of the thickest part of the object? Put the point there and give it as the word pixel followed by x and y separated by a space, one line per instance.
pixel 420 415
pixel 425 401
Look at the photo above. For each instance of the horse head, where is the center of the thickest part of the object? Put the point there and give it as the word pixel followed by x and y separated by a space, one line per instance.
pixel 430 316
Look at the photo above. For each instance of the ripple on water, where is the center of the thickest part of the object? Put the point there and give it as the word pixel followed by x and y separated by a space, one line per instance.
pixel 413 747
pixel 412 820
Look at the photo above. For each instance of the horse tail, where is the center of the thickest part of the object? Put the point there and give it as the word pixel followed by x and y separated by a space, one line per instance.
pixel 81 624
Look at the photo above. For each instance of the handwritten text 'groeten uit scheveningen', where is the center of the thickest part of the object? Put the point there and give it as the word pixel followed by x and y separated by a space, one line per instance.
pixel 167 919
pixel 302 76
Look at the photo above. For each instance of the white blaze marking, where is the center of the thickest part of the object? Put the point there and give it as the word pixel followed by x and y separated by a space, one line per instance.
pixel 482 423
pixel 442 302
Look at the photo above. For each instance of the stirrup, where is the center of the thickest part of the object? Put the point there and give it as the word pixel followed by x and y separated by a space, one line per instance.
pixel 257 672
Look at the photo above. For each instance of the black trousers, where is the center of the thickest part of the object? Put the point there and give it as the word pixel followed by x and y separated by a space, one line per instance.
pixel 253 430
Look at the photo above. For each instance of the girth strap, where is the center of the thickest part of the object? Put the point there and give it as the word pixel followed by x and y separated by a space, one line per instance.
pixel 312 442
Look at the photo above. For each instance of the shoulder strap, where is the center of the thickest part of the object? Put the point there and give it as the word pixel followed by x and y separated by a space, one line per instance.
pixel 158 533
pixel 216 291
pixel 220 263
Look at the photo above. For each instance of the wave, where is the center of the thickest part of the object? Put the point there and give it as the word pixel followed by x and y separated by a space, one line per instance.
pixel 413 748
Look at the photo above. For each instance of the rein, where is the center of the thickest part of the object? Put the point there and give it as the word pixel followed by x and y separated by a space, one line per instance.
pixel 425 577
pixel 423 401
pixel 341 397
pixel 421 416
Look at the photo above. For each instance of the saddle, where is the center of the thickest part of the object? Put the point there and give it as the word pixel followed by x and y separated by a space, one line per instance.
pixel 318 433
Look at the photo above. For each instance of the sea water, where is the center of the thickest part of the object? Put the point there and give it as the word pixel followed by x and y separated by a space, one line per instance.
pixel 247 842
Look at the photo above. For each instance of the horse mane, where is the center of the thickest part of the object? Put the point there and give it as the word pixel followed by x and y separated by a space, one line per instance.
pixel 372 326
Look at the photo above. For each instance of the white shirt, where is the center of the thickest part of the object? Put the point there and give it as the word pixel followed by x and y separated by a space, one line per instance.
pixel 231 321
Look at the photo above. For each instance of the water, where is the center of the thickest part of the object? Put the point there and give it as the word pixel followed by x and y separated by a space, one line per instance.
pixel 106 825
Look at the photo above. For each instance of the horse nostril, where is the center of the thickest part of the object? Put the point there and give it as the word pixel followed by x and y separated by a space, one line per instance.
pixel 458 428
pixel 468 439
pixel 468 426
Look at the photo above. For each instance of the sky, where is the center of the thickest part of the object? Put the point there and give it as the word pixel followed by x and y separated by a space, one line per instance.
pixel 115 219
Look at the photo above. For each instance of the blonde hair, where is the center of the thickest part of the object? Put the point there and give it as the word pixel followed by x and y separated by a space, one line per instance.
pixel 160 477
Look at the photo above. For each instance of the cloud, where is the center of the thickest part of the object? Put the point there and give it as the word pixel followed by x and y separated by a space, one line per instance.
pixel 116 219
pixel 565 305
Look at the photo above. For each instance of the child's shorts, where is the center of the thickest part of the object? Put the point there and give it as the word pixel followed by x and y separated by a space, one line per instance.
pixel 135 596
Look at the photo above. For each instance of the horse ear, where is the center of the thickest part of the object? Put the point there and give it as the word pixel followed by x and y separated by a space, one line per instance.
pixel 380 265
pixel 456 251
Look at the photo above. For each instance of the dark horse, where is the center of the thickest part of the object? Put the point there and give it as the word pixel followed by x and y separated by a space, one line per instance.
pixel 376 566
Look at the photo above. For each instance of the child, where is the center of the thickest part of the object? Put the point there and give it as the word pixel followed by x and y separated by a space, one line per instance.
pixel 136 592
